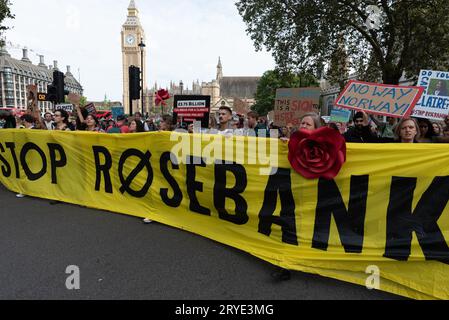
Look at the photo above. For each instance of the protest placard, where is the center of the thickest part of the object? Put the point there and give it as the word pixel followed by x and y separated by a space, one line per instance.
pixel 434 103
pixel 292 103
pixel 117 111
pixel 90 108
pixel 189 109
pixel 66 107
pixel 340 115
pixel 381 99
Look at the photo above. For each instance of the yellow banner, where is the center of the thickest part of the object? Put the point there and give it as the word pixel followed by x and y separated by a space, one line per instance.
pixel 383 222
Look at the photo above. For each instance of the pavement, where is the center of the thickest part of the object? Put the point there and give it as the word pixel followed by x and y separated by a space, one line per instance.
pixel 120 258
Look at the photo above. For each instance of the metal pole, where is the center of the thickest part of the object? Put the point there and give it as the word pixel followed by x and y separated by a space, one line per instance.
pixel 130 105
pixel 141 58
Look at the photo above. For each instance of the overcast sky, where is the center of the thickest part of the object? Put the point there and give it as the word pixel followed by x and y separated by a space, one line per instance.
pixel 184 40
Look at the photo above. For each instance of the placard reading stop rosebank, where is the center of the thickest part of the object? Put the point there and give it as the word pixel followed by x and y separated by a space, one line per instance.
pixel 434 104
pixel 189 109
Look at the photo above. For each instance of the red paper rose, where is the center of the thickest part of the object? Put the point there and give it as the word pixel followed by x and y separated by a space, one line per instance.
pixel 317 154
pixel 161 96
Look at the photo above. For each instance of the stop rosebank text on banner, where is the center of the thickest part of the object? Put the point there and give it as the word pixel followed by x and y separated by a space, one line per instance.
pixel 392 214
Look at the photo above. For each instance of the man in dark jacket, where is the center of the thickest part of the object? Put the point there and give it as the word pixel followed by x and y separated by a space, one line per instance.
pixel 361 132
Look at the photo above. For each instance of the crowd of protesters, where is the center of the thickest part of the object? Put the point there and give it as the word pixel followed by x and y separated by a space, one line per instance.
pixel 362 128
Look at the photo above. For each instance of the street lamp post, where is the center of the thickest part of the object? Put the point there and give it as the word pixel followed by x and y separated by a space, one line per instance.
pixel 142 48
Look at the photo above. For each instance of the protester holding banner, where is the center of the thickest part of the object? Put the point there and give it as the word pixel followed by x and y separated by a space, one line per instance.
pixel 136 126
pixel 151 125
pixel 138 118
pixel 259 128
pixel 61 121
pixel 28 121
pixel 310 121
pixel 224 118
pixel 361 132
pixel 426 129
pixel 408 131
pixel 92 124
pixel 437 128
pixel 166 123
pixel 48 121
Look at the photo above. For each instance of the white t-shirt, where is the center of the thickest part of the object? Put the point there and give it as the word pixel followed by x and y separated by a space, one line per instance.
pixel 49 125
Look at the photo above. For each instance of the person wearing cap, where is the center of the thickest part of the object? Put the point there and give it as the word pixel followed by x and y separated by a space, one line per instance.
pixel 361 132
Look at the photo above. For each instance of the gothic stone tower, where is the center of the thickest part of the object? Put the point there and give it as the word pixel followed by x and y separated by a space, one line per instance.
pixel 132 34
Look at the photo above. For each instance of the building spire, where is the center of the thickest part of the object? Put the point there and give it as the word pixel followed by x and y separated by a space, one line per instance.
pixel 219 70
pixel 132 9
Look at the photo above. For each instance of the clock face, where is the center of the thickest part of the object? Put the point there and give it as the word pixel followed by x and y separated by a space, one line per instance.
pixel 130 39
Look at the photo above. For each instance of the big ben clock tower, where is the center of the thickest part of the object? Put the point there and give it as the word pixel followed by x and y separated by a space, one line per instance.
pixel 132 35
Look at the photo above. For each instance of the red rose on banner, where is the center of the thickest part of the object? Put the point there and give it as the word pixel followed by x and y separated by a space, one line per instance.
pixel 161 96
pixel 317 154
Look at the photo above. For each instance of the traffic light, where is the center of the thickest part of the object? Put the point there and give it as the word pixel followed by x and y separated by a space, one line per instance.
pixel 134 83
pixel 55 91
pixel 52 93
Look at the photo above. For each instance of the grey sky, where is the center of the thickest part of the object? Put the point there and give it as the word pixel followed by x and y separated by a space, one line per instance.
pixel 184 40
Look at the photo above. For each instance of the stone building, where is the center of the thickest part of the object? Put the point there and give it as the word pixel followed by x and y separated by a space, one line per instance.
pixel 16 74
pixel 237 93
pixel 131 36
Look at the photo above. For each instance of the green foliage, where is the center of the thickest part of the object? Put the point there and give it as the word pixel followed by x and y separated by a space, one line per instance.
pixel 83 101
pixel 303 34
pixel 275 79
pixel 338 72
pixel 5 13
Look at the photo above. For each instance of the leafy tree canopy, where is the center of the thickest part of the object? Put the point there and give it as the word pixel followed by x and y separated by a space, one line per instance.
pixel 5 13
pixel 408 35
pixel 276 79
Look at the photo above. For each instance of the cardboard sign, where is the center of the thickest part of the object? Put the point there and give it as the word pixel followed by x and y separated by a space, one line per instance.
pixel 189 109
pixel 340 115
pixel 291 104
pixel 434 104
pixel 90 108
pixel 381 99
pixel 117 111
pixel 65 107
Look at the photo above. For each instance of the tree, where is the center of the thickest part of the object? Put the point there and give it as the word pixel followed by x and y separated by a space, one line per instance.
pixel 368 69
pixel 338 72
pixel 83 101
pixel 276 79
pixel 5 13
pixel 407 36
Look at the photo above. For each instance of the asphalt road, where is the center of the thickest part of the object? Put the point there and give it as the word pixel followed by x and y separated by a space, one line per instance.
pixel 119 257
